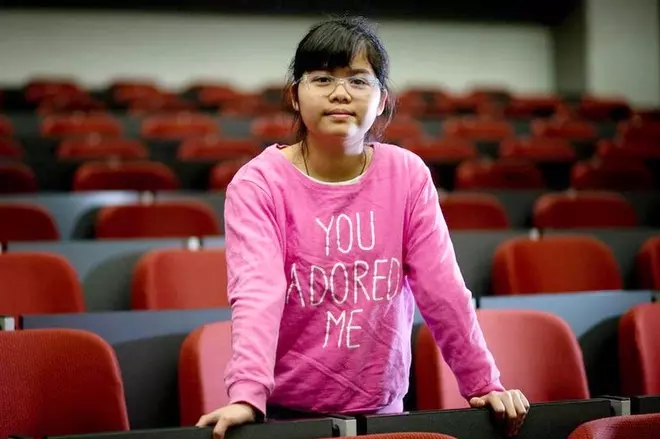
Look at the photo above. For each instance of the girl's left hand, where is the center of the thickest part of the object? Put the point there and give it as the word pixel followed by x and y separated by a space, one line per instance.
pixel 510 406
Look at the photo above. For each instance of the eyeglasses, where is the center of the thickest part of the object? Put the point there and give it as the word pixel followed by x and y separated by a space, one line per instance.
pixel 324 84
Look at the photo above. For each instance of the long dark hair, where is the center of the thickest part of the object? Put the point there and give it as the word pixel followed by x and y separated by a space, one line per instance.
pixel 333 44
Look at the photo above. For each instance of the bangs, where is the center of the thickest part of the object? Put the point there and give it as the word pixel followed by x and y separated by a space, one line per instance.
pixel 330 49
pixel 334 44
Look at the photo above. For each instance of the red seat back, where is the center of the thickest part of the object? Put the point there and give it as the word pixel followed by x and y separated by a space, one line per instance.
pixel 38 283
pixel 26 222
pixel 59 382
pixel 583 209
pixel 620 427
pixel 554 264
pixel 473 212
pixel 180 279
pixel 161 220
pixel 639 350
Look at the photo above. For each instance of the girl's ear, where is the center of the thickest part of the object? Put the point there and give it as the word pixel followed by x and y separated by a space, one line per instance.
pixel 383 101
pixel 293 100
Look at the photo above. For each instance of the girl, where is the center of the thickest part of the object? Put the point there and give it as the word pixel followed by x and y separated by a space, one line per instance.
pixel 330 242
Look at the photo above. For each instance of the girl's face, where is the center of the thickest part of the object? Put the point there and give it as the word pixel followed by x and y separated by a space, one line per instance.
pixel 343 102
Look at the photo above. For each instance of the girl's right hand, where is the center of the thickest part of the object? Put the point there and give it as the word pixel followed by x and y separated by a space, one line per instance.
pixel 228 416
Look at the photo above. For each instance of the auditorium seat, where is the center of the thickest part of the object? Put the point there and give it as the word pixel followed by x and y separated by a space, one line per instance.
pixel 162 103
pixel 125 176
pixel 59 382
pixel 639 130
pixel 68 125
pixel 17 178
pixel 443 150
pixel 478 129
pixel 278 128
pixel 620 427
pixel 535 351
pixel 554 264
pixel 403 129
pixel 10 148
pixel 611 175
pixel 204 354
pixel 603 109
pixel 627 150
pixel 529 106
pixel 6 127
pixel 539 149
pixel 125 91
pixel 38 89
pixel 95 147
pixel 500 174
pixel 575 130
pixel 38 283
pixel 465 211
pixel 223 173
pixel 180 279
pixel 639 350
pixel 216 148
pixel 648 264
pixel 583 210
pixel 163 219
pixel 178 126
pixel 26 222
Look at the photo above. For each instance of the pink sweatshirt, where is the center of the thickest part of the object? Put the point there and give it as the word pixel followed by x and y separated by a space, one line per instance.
pixel 323 279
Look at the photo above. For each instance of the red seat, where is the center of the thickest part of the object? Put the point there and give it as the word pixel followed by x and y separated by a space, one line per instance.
pixel 531 106
pixel 478 129
pixel 214 95
pixel 535 351
pixel 125 91
pixel 274 129
pixel 26 222
pixel 591 108
pixel 628 149
pixel 473 212
pixel 101 148
pixel 583 210
pixel 204 352
pixel 223 173
pixel 160 220
pixel 538 149
pixel 38 89
pixel 648 264
pixel 10 149
pixel 80 125
pixel 217 148
pixel 639 350
pixel 501 174
pixel 447 149
pixel 125 176
pixel 564 129
pixel 611 175
pixel 180 279
pixel 554 264
pixel 6 127
pixel 620 427
pixel 17 178
pixel 639 130
pixel 162 103
pixel 38 283
pixel 59 382
pixel 405 435
pixel 403 129
pixel 178 126
pixel 74 103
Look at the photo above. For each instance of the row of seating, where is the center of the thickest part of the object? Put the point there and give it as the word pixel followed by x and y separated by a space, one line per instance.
pixel 181 125
pixel 214 147
pixel 25 221
pixel 184 279
pixel 49 95
pixel 154 176
pixel 91 363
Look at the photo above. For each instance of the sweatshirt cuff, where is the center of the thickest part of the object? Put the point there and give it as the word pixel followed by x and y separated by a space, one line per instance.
pixel 249 392
pixel 494 386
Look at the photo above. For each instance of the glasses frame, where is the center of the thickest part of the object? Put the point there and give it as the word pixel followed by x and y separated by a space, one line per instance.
pixel 375 83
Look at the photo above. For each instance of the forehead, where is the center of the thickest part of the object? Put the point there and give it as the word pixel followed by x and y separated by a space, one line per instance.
pixel 358 64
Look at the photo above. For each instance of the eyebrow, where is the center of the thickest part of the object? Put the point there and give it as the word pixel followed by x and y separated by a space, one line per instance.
pixel 365 71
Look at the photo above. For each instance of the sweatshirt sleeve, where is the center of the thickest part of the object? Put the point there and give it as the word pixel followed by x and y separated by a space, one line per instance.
pixel 256 285
pixel 441 294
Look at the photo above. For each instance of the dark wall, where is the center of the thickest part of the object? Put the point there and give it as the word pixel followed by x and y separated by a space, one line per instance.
pixel 549 13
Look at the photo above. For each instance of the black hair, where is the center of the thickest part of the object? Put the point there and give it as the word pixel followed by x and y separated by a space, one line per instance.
pixel 333 44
